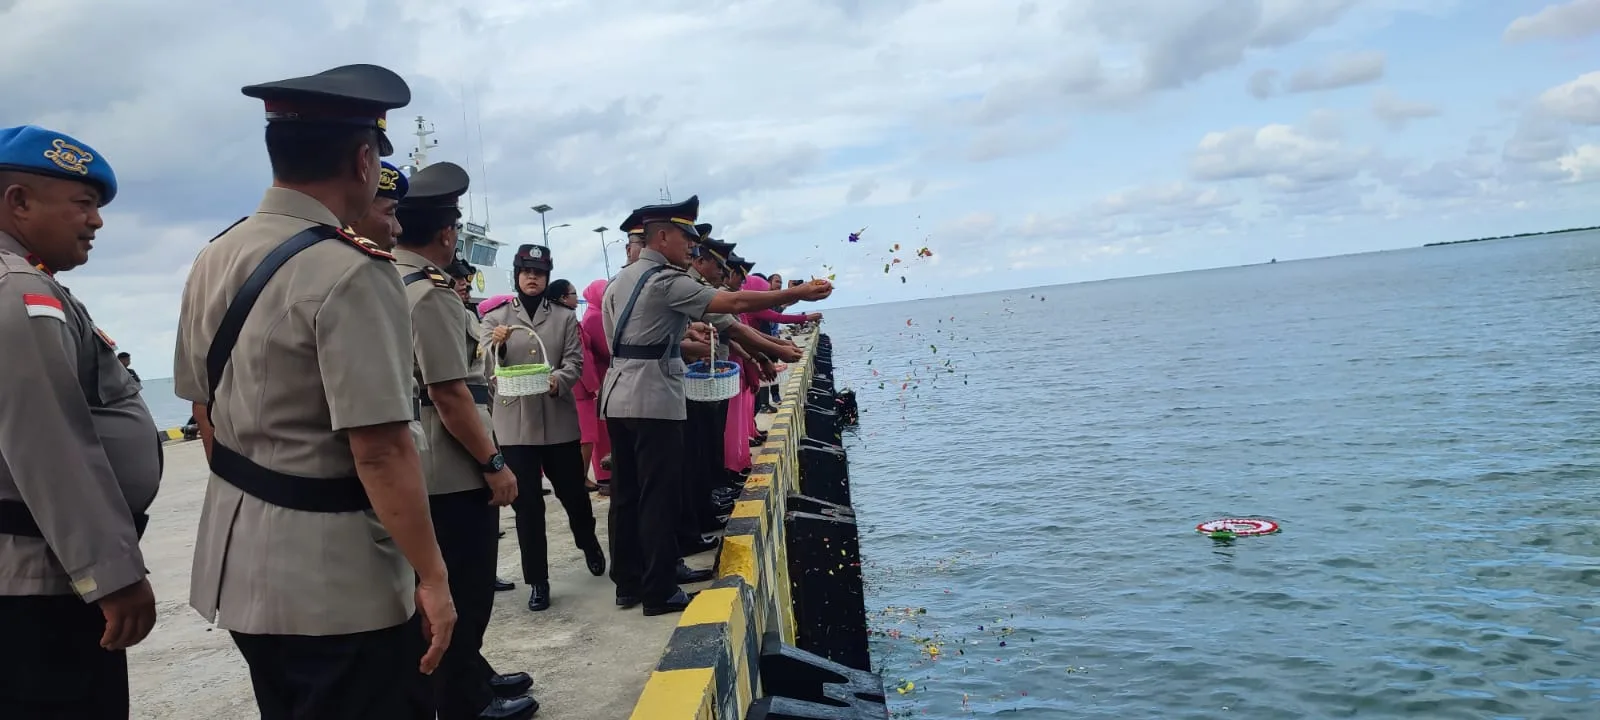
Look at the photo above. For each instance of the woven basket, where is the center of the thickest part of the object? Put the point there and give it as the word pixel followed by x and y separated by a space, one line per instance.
pixel 778 378
pixel 701 384
pixel 524 380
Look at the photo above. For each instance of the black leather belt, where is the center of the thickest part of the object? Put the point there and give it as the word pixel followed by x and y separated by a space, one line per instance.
pixel 659 351
pixel 480 396
pixel 321 495
pixel 16 519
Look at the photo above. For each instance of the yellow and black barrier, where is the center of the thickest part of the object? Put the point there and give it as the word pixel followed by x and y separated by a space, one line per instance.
pixel 734 647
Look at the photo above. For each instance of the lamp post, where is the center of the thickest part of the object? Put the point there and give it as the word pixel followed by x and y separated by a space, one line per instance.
pixel 604 254
pixel 542 209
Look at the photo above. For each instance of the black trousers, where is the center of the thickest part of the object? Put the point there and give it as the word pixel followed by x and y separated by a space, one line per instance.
pixel 328 677
pixel 51 663
pixel 563 464
pixel 467 528
pixel 646 500
pixel 702 466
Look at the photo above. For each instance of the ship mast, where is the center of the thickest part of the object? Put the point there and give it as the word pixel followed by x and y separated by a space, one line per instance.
pixel 419 156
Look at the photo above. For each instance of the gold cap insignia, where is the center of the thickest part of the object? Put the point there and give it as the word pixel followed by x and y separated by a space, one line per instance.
pixel 387 179
pixel 69 157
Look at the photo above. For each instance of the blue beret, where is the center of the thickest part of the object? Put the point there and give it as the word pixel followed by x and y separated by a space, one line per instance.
pixel 33 149
pixel 392 183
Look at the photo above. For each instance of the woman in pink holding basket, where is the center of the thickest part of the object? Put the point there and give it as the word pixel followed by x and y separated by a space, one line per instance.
pixel 538 428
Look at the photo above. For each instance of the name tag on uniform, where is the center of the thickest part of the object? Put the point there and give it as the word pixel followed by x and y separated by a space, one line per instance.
pixel 44 306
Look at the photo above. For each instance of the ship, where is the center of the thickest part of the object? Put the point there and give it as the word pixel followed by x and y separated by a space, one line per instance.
pixel 473 243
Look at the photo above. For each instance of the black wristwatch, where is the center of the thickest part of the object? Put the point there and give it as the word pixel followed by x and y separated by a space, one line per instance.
pixel 496 464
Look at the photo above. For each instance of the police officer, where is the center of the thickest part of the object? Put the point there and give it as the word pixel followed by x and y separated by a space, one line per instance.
pixel 467 477
pixel 315 545
pixel 379 223
pixel 647 309
pixel 79 455
pixel 540 432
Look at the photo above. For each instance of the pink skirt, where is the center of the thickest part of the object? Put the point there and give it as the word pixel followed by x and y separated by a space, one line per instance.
pixel 592 429
pixel 736 440
pixel 589 429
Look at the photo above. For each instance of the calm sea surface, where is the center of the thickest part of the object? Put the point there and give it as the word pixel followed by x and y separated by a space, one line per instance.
pixel 1425 424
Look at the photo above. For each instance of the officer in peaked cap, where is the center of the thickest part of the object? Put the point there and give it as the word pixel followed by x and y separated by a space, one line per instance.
pixel 634 229
pixel 468 479
pixel 643 397
pixel 379 224
pixel 315 544
pixel 80 458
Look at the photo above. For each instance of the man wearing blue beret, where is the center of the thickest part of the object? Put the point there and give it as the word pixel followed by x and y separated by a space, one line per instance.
pixel 380 224
pixel 80 458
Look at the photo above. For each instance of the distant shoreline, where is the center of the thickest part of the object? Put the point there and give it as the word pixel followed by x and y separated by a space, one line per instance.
pixel 1507 237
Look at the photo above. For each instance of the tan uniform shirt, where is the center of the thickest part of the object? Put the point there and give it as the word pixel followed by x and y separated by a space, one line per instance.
pixel 539 419
pixel 445 351
pixel 720 321
pixel 670 299
pixel 81 467
pixel 327 349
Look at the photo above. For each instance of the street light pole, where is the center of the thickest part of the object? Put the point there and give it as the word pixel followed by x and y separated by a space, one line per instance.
pixel 542 209
pixel 603 252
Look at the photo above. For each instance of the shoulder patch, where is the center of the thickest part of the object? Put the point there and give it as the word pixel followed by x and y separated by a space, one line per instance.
pixel 364 245
pixel 438 277
pixel 45 306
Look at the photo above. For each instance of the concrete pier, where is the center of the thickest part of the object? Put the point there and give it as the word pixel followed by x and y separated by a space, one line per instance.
pixel 589 660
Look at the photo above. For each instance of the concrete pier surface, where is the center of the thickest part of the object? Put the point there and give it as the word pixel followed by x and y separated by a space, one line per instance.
pixel 588 659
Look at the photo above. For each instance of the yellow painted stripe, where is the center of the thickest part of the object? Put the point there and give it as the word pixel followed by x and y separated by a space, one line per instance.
pixel 677 695
pixel 717 605
pixel 748 509
pixel 173 433
pixel 738 557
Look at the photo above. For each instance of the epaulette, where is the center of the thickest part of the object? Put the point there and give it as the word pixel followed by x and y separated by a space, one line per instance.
pixel 364 245
pixel 439 278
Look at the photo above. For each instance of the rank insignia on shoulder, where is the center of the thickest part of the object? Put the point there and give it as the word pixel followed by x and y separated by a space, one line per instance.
pixel 364 245
pixel 438 277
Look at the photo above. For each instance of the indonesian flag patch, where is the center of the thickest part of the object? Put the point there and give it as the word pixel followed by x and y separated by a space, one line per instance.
pixel 43 306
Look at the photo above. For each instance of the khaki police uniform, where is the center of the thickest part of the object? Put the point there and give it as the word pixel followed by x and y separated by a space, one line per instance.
pixel 540 434
pixel 446 351
pixel 643 402
pixel 80 462
pixel 327 349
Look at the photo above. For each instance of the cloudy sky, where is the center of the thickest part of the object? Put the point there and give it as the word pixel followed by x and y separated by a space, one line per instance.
pixel 1024 142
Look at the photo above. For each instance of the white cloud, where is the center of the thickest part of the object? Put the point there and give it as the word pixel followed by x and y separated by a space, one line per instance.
pixel 1564 21
pixel 1395 111
pixel 1577 101
pixel 1582 164
pixel 795 121
pixel 1339 71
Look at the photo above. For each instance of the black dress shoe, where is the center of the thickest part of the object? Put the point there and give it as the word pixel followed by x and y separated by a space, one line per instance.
pixel 502 585
pixel 539 598
pixel 510 685
pixel 687 576
pixel 596 560
pixel 627 601
pixel 676 603
pixel 726 495
pixel 518 708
